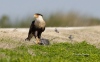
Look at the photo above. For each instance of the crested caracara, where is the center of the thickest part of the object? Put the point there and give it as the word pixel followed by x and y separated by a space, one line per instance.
pixel 36 28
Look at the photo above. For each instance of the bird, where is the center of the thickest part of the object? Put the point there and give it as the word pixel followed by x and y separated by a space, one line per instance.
pixel 71 37
pixel 36 28
pixel 44 41
pixel 56 30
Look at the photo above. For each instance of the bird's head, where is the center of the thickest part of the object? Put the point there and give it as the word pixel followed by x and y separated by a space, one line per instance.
pixel 37 15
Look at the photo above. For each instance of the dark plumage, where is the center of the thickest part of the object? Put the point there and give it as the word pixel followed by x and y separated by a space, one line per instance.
pixel 71 37
pixel 39 14
pixel 56 30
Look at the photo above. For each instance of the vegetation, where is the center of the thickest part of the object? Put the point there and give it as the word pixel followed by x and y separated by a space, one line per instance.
pixel 59 52
pixel 5 21
pixel 54 19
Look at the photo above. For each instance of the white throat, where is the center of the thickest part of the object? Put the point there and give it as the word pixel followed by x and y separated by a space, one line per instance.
pixel 40 18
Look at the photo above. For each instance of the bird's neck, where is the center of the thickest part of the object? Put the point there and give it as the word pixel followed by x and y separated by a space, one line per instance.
pixel 40 18
pixel 39 22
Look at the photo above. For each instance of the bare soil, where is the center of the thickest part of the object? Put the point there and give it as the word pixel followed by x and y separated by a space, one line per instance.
pixel 17 36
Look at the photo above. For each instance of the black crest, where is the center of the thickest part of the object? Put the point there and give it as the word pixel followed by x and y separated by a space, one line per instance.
pixel 38 14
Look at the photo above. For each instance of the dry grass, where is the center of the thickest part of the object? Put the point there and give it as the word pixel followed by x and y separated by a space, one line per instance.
pixel 17 36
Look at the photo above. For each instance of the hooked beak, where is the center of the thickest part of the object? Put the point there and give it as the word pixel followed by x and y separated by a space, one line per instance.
pixel 35 15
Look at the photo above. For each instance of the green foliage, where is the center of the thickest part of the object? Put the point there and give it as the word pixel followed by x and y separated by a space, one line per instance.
pixel 5 22
pixel 60 52
pixel 57 19
pixel 71 19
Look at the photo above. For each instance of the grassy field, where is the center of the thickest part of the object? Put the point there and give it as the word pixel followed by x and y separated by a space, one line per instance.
pixel 57 52
pixel 85 46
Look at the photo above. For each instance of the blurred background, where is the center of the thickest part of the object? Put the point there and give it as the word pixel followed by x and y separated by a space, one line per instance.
pixel 56 13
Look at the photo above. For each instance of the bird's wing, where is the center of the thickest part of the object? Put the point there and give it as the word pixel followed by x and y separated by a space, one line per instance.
pixel 33 23
pixel 31 26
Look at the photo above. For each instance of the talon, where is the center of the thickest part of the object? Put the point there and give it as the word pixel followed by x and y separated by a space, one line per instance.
pixel 38 42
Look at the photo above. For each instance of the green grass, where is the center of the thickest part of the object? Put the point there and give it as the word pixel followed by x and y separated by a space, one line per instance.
pixel 60 52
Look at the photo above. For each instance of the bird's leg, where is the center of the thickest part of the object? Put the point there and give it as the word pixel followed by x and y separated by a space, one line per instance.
pixel 37 39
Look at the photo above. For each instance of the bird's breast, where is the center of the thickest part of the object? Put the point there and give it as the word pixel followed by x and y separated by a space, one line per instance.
pixel 40 24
